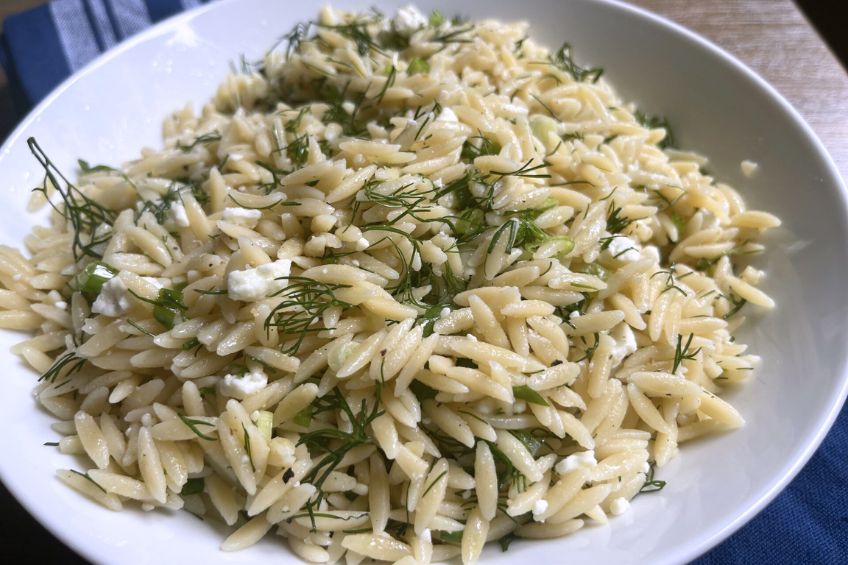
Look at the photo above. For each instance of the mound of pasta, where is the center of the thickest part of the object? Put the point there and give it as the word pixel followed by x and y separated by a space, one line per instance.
pixel 402 287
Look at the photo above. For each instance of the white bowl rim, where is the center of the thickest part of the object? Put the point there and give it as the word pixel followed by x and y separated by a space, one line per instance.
pixel 698 546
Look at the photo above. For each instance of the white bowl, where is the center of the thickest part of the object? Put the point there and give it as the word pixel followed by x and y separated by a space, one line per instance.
pixel 107 112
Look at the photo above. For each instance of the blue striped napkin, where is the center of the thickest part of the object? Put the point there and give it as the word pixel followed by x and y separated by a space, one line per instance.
pixel 808 523
pixel 41 47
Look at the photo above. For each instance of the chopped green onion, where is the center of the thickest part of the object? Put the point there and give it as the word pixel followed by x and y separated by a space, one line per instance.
pixel 265 423
pixel 92 278
pixel 524 392
pixel 303 418
pixel 417 65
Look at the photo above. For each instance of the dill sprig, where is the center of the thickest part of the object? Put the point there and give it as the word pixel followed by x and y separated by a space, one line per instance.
pixel 303 302
pixel 525 171
pixel 651 484
pixel 334 442
pixel 564 61
pixel 65 365
pixel 737 304
pixel 84 214
pixel 654 122
pixel 682 352
pixel 671 279
pixel 204 139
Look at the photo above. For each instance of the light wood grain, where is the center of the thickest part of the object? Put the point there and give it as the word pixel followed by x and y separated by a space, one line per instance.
pixel 775 40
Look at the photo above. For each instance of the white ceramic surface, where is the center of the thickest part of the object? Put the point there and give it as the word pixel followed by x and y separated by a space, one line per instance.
pixel 107 112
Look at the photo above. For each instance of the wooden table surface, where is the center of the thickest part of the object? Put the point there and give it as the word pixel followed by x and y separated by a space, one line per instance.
pixel 771 36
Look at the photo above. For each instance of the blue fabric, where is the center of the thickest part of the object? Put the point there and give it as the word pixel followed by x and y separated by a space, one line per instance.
pixel 807 523
pixel 41 47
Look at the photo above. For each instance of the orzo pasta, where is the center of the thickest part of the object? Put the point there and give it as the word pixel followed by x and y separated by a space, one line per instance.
pixel 405 286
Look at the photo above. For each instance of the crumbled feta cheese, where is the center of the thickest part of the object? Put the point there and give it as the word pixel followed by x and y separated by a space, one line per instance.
pixel 178 214
pixel 539 508
pixel 409 18
pixel 113 300
pixel 362 244
pixel 619 506
pixel 625 343
pixel 749 168
pixel 651 251
pixel 624 248
pixel 254 284
pixel 242 216
pixel 447 115
pixel 575 461
pixel 241 387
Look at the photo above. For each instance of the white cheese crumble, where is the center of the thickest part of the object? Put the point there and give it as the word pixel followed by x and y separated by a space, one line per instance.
pixel 178 214
pixel 236 386
pixel 241 216
pixel 651 251
pixel 113 300
pixel 624 248
pixel 255 284
pixel 749 168
pixel 619 506
pixel 575 461
pixel 625 344
pixel 447 115
pixel 539 508
pixel 409 18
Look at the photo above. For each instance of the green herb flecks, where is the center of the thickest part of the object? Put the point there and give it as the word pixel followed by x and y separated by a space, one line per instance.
pixel 651 484
pixel 205 139
pixel 92 278
pixel 193 424
pixel 333 442
pixel 65 365
pixel 654 122
pixel 564 61
pixel 302 303
pixel 682 352
pixel 90 221
pixel 524 392
pixel 167 308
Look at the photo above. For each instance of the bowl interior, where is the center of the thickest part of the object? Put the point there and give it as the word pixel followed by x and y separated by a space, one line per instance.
pixel 115 106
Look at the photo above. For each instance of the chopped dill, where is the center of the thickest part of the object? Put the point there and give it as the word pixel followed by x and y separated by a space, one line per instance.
pixel 682 352
pixel 303 302
pixel 654 122
pixel 651 484
pixel 204 139
pixel 334 442
pixel 192 424
pixel 563 60
pixel 65 365
pixel 84 214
